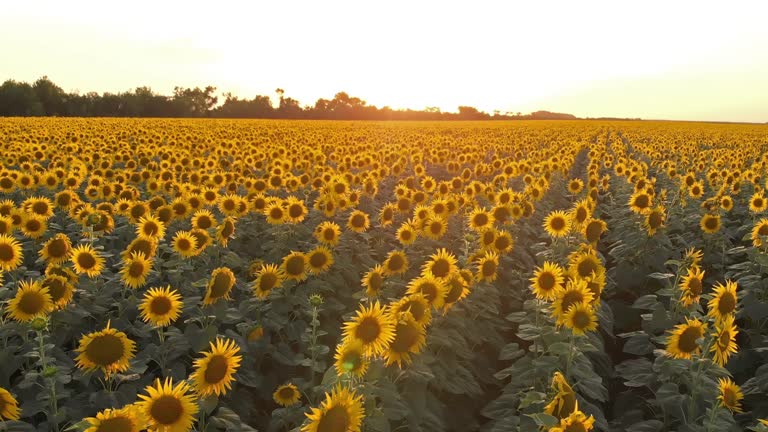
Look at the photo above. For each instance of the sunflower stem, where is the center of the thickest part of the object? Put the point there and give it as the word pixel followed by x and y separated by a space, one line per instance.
pixel 313 345
pixel 51 381
pixel 571 349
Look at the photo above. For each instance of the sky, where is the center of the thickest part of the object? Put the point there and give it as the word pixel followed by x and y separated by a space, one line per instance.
pixel 684 60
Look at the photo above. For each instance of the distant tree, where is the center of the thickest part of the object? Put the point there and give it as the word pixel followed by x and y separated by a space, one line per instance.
pixel 19 99
pixel 51 96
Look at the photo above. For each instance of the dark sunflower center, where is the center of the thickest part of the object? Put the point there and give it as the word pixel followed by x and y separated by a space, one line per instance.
pixel 295 265
pixel 654 220
pixel 32 303
pixel 406 235
pixel 56 288
pixel 729 398
pixel 406 336
pixel 276 213
pixel 687 343
pixel 6 183
pixel 571 298
pixel 229 204
pixel 228 230
pixel 33 225
pixel 86 260
pixel 581 320
pixel 726 304
pixel 318 259
pixel 581 214
pixel 724 340
pixel 488 268
pixel 217 369
pixel 335 419
pixel 136 269
pixel 267 281
pixel 375 281
pixel 180 209
pixel 151 228
pixel 116 424
pixel 329 234
pixel 285 393
pixel 711 223
pixel 694 286
pixel 642 201
pixel 696 190
pixel 40 208
pixel 395 262
pixel 441 268
pixel 105 350
pixel 142 246
pixel 368 330
pixel 295 210
pixel 57 248
pixel 166 410
pixel 456 288
pixel 557 224
pixel 358 221
pixel 429 290
pixel 7 252
pixel 547 281
pixel 160 305
pixel 204 222
pixel 502 243
pixel 387 214
pixel 587 267
pixel 221 285
pixel 481 219
pixel 436 227
pixel 138 211
pixel 758 202
pixel 489 237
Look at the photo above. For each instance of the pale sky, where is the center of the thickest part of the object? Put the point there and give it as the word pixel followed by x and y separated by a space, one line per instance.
pixel 693 60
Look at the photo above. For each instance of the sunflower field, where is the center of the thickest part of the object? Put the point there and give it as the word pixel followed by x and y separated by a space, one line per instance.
pixel 212 275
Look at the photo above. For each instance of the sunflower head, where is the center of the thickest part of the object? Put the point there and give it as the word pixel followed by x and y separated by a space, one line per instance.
pixel 350 358
pixel 557 224
pixel 126 419
pixel 683 342
pixel 342 410
pixel 32 300
pixel 724 301
pixel 109 350
pixel 710 223
pixel 295 266
pixel 409 338
pixel 214 372
pixel 161 306
pixel 9 406
pixel 219 286
pixel 268 277
pixel 547 280
pixel 168 407
pixel 371 326
pixel 287 395
pixel 373 281
pixel 730 395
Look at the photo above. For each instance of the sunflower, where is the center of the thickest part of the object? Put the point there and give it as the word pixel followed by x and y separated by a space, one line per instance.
pixel 580 318
pixel 296 210
pixel 575 292
pixel 723 302
pixel 126 419
pixel 10 253
pixel 396 263
pixel 681 344
pixel 434 227
pixel 214 371
pixel 161 306
pixel 185 244
pixel 696 190
pixel 726 203
pixel 144 245
pixel 150 227
pixel 295 266
pixel 575 186
pixel 268 277
pixel 692 286
pixel 358 221
pixel 503 242
pixel 6 225
pixel 56 250
pixel 168 408
pixel 487 266
pixel 576 421
pixel 350 358
pixel 219 286
pixel 557 224
pixel 730 395
pixel 760 232
pixel 457 289
pixel 32 299
pixel 109 350
pixel 480 219
pixel 406 234
pixel 416 305
pixel 275 213
pixel 204 219
pixel 693 256
pixel 287 395
pixel 328 233
pixel 341 411
pixel 758 203
pixel 87 260
pixel 725 340
pixel 9 406
pixel 431 287
pixel 135 270
pixel 373 327
pixel 203 239
pixel 710 223
pixel 547 280
pixel 564 403
pixel 319 260
pixel 373 281
pixel 440 264
pixel 585 263
pixel 61 290
pixel 640 202
pixel 654 219
pixel 409 338
pixel 225 231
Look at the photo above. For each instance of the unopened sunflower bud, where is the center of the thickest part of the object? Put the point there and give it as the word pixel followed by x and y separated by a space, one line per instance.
pixel 39 324
pixel 315 300
pixel 50 371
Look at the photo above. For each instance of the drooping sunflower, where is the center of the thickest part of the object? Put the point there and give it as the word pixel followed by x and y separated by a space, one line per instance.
pixel 328 233
pixel 219 286
pixel 576 291
pixel 487 266
pixel 9 406
pixel 144 245
pixel 287 395
pixel 373 327
pixel 557 224
pixel 760 232
pixel 710 223
pixel 32 299
pixel 654 219
pixel 341 411
pixel 350 358
pixel 268 277
pixel 109 350
pixel 576 421
pixel 373 281
pixel 56 250
pixel 693 256
pixel 725 340
pixel 415 304
pixel 724 301
pixel 87 261
pixel 168 408
pixel 440 264
pixel 185 244
pixel 225 231
pixel 6 225
pixel 161 306
pixel 135 270
pixel 564 402
pixel 681 344
pixel 295 266
pixel 547 280
pixel 214 371
pixel 150 227
pixel 203 239
pixel 730 395
pixel 61 290
pixel 10 253
pixel 319 259
pixel 580 318
pixel 396 263
pixel 457 289
pixel 358 221
pixel 126 419
pixel 409 338
pixel 433 289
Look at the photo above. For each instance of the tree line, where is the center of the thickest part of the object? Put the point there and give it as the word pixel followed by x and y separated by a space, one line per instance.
pixel 45 98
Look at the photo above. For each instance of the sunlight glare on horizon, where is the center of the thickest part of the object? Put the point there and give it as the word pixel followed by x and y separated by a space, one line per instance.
pixel 672 60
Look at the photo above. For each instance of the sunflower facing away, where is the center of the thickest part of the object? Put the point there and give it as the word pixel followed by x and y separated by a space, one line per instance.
pixel 682 343
pixel 168 408
pixel 373 327
pixel 287 395
pixel 341 411
pixel 10 253
pixel 87 260
pixel 214 371
pixel 557 224
pixel 564 402
pixel 9 406
pixel 161 306
pixel 219 286
pixel 723 302
pixel 725 340
pixel 109 350
pixel 350 358
pixel 126 419
pixel 410 338
pixel 546 281
pixel 730 395
pixel 32 299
